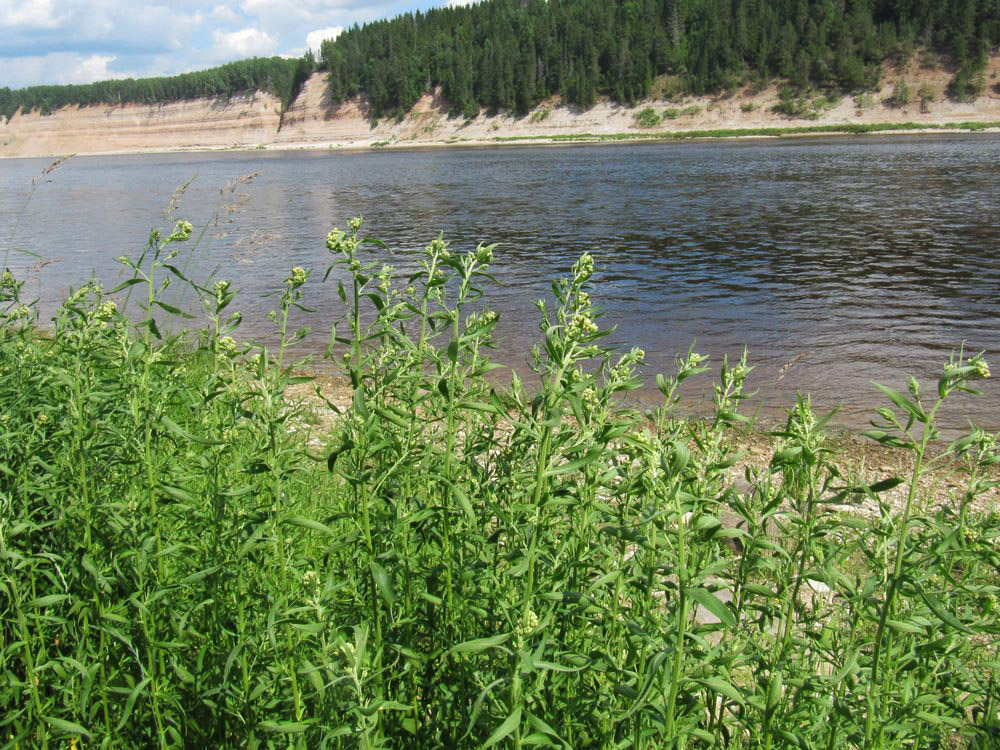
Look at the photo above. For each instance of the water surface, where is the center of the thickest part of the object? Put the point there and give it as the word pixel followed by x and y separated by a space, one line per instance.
pixel 855 258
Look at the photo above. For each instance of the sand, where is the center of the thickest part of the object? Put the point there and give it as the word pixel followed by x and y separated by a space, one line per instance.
pixel 314 121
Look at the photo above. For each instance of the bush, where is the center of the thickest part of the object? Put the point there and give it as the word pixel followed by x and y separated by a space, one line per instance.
pixel 926 95
pixel 460 564
pixel 748 107
pixel 794 104
pixel 968 84
pixel 646 118
pixel 541 115
pixel 672 113
pixel 864 102
pixel 901 94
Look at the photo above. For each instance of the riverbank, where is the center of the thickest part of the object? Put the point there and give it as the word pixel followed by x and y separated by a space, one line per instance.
pixel 911 99
pixel 858 458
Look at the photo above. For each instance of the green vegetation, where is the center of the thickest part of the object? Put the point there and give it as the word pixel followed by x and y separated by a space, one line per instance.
pixel 901 94
pixel 541 115
pixel 864 102
pixel 672 113
pixel 794 103
pixel 647 118
pixel 508 54
pixel 926 95
pixel 462 565
pixel 846 129
pixel 274 75
pixel 511 55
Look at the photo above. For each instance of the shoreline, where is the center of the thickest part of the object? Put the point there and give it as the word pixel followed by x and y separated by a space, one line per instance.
pixel 855 455
pixel 567 139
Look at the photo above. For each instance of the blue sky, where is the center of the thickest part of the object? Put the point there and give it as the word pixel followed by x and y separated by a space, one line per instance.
pixel 79 41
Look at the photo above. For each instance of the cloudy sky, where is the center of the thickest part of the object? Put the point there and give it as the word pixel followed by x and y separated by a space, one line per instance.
pixel 78 41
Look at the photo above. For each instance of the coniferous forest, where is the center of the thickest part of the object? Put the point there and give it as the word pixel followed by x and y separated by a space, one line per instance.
pixel 512 54
pixel 280 76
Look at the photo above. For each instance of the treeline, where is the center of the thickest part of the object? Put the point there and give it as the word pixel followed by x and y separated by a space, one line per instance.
pixel 279 76
pixel 511 54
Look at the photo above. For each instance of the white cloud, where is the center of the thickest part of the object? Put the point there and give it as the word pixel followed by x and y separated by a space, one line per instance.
pixel 60 67
pixel 93 68
pixel 242 43
pixel 225 14
pixel 315 38
pixel 33 14
pixel 53 41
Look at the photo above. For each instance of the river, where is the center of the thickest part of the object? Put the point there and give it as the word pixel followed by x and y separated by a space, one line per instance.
pixel 852 258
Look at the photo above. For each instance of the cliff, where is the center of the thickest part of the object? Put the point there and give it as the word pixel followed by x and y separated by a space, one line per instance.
pixel 240 121
pixel 314 120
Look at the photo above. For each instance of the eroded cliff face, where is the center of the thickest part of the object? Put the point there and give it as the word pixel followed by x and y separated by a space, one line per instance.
pixel 314 120
pixel 239 121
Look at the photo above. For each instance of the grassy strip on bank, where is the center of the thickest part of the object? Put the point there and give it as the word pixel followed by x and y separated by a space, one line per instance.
pixel 462 565
pixel 845 128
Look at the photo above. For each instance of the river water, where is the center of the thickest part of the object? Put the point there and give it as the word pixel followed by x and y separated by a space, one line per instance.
pixel 853 258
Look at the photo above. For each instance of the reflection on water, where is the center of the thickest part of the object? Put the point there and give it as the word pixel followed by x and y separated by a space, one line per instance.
pixel 860 258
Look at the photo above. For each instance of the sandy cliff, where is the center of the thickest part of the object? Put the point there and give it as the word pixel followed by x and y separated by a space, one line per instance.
pixel 242 121
pixel 315 121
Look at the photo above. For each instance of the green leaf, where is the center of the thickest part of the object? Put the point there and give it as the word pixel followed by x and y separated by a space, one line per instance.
pixel 66 726
pixel 463 501
pixel 713 604
pixel 308 523
pixel 886 484
pixel 479 644
pixel 177 431
pixel 946 616
pixel 172 310
pixel 722 687
pixel 284 727
pixel 905 627
pixel 47 601
pixel 681 457
pixel 508 726
pixel 903 402
pixel 574 465
pixel 382 582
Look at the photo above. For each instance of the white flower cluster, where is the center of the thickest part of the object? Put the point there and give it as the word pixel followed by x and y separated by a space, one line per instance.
pixel 581 326
pixel 311 581
pixel 385 278
pixel 583 269
pixel 182 231
pixel 106 310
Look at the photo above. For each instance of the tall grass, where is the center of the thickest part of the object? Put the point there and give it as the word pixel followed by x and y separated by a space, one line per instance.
pixel 463 565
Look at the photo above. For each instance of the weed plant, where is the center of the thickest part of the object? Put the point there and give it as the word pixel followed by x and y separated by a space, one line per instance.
pixel 647 118
pixel 464 565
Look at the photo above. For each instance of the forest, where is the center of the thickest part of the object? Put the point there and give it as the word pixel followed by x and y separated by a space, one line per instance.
pixel 512 54
pixel 282 77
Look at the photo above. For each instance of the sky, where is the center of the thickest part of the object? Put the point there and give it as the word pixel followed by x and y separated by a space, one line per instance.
pixel 79 41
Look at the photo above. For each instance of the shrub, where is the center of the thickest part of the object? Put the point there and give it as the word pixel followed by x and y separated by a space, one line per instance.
pixel 460 563
pixel 672 113
pixel 748 107
pixel 646 118
pixel 793 103
pixel 968 84
pixel 864 102
pixel 926 95
pixel 901 94
pixel 541 115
